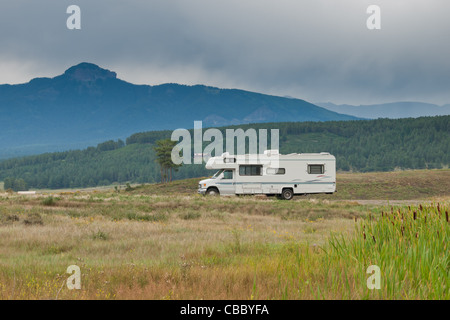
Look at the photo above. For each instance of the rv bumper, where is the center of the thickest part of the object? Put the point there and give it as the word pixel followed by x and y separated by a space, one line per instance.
pixel 201 191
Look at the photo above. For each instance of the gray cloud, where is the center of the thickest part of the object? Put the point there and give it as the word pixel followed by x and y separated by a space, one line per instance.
pixel 318 50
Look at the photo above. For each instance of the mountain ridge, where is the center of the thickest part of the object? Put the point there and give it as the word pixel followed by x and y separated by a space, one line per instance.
pixel 391 110
pixel 88 104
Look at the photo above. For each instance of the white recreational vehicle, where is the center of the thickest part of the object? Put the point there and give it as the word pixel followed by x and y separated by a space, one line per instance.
pixel 271 174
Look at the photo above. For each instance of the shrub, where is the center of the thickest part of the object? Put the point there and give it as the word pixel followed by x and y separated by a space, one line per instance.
pixel 100 235
pixel 33 219
pixel 49 201
pixel 191 215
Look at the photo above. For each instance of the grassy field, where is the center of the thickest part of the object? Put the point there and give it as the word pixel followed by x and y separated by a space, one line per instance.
pixel 399 185
pixel 167 242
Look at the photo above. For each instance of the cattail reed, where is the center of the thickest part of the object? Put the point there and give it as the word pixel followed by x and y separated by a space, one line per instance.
pixel 413 242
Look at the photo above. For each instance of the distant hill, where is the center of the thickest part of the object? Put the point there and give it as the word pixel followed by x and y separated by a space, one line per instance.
pixel 88 104
pixel 395 110
pixel 365 145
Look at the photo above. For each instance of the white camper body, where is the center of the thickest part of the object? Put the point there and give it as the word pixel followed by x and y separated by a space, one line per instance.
pixel 271 174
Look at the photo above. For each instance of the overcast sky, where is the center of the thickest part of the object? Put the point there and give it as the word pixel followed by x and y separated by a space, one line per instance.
pixel 317 50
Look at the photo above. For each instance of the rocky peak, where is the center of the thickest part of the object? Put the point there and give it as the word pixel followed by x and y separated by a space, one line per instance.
pixel 89 72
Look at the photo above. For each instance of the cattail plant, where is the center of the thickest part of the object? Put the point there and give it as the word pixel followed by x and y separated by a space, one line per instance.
pixel 411 246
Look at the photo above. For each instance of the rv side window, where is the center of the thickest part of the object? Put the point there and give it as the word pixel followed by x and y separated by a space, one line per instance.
pixel 250 170
pixel 276 170
pixel 227 174
pixel 316 168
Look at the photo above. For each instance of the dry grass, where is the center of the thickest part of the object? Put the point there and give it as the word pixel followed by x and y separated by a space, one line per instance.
pixel 138 245
pixel 127 256
pixel 399 185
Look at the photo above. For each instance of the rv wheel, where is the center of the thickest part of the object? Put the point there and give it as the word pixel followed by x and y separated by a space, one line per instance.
pixel 212 192
pixel 287 194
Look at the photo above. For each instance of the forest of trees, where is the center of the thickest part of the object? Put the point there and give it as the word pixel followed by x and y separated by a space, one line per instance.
pixel 15 184
pixel 363 145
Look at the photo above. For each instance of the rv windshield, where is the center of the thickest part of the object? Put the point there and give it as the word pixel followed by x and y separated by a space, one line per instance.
pixel 217 173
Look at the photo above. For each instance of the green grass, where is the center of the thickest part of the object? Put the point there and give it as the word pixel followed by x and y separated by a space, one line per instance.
pixel 409 245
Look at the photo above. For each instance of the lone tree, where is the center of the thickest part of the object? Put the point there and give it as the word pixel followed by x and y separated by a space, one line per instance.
pixel 163 151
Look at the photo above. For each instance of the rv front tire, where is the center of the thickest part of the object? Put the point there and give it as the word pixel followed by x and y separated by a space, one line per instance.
pixel 212 192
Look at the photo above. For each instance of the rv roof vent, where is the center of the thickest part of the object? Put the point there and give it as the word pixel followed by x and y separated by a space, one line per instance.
pixel 324 153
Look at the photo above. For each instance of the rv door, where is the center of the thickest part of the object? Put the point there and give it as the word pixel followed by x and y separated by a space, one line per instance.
pixel 226 183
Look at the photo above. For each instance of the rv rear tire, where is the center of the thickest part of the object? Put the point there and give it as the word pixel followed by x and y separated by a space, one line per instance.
pixel 287 194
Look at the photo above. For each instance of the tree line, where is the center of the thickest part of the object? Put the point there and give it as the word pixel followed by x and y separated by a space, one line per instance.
pixel 360 146
pixel 15 184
